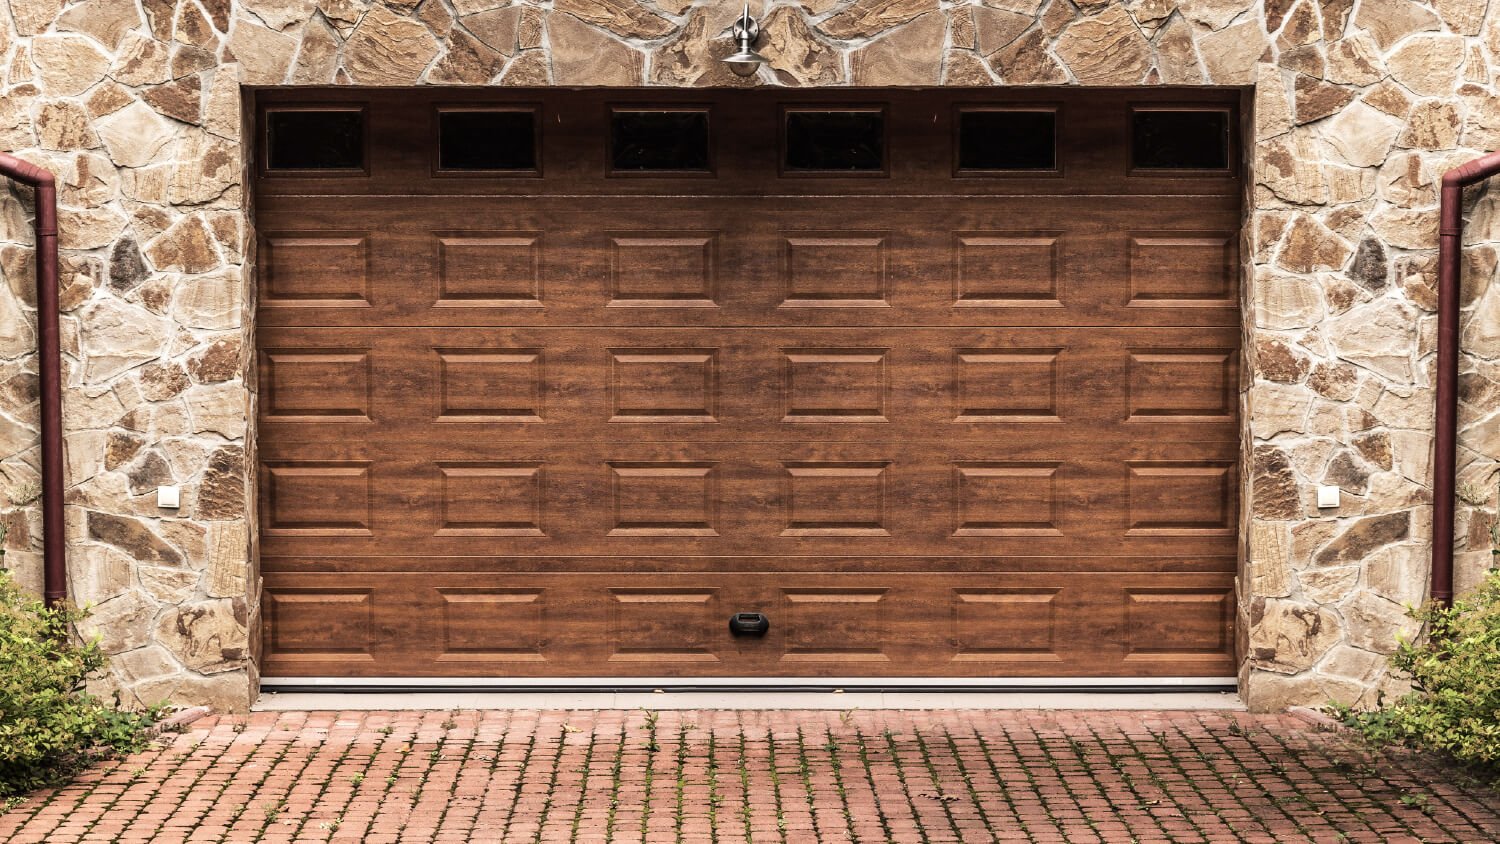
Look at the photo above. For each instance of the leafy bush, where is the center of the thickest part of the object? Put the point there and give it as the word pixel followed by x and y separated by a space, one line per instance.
pixel 50 726
pixel 1454 707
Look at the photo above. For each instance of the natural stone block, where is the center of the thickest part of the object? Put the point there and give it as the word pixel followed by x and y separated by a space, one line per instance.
pixel 1029 62
pixel 1231 54
pixel 1106 49
pixel 1328 586
pixel 582 55
pixel 1432 124
pixel 1389 21
pixel 1429 64
pixel 1363 537
pixel 1310 246
pixel 795 55
pixel 208 636
pixel 221 492
pixel 265 55
pixel 1285 301
pixel 135 135
pixel 865 18
pixel 133 537
pixel 1288 636
pixel 1376 624
pixel 622 16
pixel 1273 492
pixel 1361 135
pixel 386 49
pixel 68 65
pixel 186 247
pixel 911 55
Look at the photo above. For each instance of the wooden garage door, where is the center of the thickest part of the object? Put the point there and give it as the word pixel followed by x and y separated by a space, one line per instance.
pixel 966 406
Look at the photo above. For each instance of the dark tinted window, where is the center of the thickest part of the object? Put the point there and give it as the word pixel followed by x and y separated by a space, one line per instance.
pixel 1180 140
pixel 315 140
pixel 487 140
pixel 835 140
pixel 1007 140
pixel 659 140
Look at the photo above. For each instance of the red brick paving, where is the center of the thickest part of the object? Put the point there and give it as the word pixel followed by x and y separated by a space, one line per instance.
pixel 727 776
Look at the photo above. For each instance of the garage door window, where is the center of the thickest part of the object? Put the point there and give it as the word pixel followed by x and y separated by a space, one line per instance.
pixel 479 140
pixel 845 141
pixel 999 140
pixel 315 139
pixel 1188 139
pixel 674 141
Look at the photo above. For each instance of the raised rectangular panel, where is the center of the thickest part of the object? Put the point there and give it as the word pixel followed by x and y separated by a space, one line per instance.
pixel 999 270
pixel 664 269
pixel 1189 385
pixel 1167 622
pixel 665 625
pixel 1005 385
pixel 834 385
pixel 835 499
pixel 834 625
pixel 1005 624
pixel 315 385
pixel 489 385
pixel 316 498
pixel 489 270
pixel 663 385
pixel 319 623
pixel 669 498
pixel 482 624
pixel 1181 498
pixel 1176 269
pixel 323 270
pixel 1005 499
pixel 835 270
pixel 491 499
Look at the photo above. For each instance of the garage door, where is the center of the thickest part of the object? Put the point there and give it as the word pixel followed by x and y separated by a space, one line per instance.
pixel 911 384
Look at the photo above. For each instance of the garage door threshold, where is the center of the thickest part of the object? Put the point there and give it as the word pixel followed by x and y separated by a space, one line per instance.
pixel 1121 698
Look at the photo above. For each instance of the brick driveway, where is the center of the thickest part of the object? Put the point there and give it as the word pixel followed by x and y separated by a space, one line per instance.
pixel 725 776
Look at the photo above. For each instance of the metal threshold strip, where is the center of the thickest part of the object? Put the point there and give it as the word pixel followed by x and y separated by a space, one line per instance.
pixel 1123 685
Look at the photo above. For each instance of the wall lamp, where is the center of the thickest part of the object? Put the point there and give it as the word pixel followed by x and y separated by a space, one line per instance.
pixel 744 61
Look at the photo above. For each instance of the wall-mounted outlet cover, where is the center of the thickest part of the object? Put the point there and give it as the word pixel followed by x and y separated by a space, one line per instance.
pixel 169 497
pixel 1328 496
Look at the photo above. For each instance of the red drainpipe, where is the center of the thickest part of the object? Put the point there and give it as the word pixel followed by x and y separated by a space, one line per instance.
pixel 54 559
pixel 1445 459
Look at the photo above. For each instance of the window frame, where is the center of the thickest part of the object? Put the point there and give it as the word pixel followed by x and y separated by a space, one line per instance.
pixel 1056 171
pixel 709 171
pixel 264 169
pixel 436 141
pixel 1232 151
pixel 785 111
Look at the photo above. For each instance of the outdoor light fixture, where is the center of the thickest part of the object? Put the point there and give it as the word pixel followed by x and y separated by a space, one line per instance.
pixel 745 61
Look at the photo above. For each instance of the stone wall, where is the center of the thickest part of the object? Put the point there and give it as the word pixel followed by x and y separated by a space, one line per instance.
pixel 137 105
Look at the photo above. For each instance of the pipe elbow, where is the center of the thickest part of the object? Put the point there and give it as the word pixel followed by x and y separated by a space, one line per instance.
pixel 25 171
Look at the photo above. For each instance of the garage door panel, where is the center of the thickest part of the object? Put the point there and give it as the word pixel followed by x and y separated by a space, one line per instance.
pixel 883 264
pixel 614 383
pixel 598 624
pixel 752 499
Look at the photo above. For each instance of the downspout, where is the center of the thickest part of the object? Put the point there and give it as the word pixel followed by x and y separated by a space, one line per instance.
pixel 54 559
pixel 1445 458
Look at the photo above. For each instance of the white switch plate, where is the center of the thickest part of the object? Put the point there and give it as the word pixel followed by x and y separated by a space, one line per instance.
pixel 169 497
pixel 1328 496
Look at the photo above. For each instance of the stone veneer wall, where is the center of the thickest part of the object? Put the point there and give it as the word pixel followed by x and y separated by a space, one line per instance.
pixel 1359 107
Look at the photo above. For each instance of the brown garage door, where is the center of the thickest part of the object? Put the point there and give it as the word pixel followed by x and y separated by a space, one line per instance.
pixel 551 384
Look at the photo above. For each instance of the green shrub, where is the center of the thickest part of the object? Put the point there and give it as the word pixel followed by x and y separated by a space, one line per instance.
pixel 50 726
pixel 1454 705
